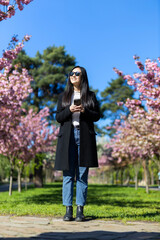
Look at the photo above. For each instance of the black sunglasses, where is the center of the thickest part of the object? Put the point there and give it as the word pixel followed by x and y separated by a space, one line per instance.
pixel 76 73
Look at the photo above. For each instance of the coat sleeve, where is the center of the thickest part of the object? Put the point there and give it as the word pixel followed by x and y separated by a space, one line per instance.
pixel 92 114
pixel 62 113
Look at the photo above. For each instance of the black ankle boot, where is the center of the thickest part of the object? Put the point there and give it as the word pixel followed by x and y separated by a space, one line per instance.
pixel 69 214
pixel 79 215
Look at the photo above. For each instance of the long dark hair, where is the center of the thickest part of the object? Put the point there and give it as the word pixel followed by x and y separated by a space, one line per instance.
pixel 84 90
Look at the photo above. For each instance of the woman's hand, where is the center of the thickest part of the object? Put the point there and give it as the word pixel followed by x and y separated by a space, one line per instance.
pixel 75 108
pixel 82 109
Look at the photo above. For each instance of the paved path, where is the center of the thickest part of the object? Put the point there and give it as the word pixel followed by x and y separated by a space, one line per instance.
pixel 5 187
pixel 12 227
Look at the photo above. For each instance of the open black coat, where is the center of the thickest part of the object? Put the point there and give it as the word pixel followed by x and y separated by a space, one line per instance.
pixel 88 149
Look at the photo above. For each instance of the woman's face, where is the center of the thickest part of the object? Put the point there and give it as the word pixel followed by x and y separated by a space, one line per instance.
pixel 76 80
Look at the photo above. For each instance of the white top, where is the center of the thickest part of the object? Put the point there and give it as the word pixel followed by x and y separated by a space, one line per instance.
pixel 75 115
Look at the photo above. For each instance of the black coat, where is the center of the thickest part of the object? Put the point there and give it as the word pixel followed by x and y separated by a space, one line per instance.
pixel 88 149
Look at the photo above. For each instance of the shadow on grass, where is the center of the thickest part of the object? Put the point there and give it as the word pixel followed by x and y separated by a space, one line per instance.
pixel 115 196
pixel 97 195
pixel 122 203
pixel 54 195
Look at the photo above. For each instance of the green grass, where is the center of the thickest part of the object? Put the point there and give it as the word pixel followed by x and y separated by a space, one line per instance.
pixel 103 202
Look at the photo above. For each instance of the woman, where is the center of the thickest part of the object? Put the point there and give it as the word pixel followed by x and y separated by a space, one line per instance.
pixel 77 109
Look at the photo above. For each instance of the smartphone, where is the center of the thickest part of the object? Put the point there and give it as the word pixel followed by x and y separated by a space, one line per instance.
pixel 77 102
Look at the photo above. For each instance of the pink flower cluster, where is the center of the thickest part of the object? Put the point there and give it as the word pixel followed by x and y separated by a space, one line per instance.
pixel 120 73
pixel 140 65
pixel 30 136
pixel 130 81
pixel 11 54
pixel 21 3
pixel 136 138
pixel 146 83
pixel 10 9
pixel 4 2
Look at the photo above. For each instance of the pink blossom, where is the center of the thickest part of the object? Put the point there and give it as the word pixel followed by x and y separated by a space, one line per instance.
pixel 4 2
pixel 135 57
pixel 140 65
pixel 118 71
pixel 11 11
pixel 120 103
pixel 27 37
pixel 11 8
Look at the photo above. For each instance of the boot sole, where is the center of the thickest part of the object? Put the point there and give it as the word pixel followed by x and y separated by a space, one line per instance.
pixel 79 219
pixel 67 219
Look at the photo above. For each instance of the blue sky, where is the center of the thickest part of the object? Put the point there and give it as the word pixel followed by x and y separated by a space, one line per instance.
pixel 100 34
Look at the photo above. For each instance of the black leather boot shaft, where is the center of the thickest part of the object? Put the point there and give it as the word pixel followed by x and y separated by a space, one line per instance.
pixel 79 215
pixel 69 214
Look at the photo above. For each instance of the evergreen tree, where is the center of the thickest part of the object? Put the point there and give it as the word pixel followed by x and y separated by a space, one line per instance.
pixel 50 71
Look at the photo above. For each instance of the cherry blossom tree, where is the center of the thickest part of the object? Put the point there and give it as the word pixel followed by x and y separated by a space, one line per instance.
pixel 22 134
pixel 14 88
pixel 129 147
pixel 138 137
pixel 32 136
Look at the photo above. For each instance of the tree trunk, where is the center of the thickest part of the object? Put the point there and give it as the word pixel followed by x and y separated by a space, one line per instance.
pixel 152 176
pixel 11 181
pixel 38 174
pixel 112 178
pixel 121 176
pixel 117 176
pixel 19 180
pixel 136 170
pixel 136 180
pixel 127 180
pixel 45 170
pixel 146 163
pixel 26 182
pixel 103 177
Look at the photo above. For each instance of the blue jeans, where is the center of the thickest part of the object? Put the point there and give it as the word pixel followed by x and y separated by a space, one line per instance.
pixel 69 175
